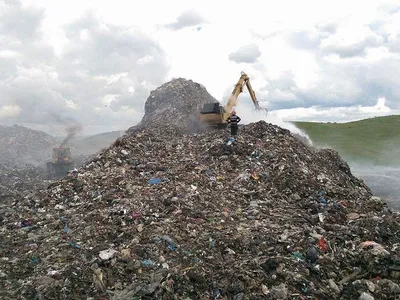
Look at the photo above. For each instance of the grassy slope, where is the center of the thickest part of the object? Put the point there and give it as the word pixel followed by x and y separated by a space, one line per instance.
pixel 375 140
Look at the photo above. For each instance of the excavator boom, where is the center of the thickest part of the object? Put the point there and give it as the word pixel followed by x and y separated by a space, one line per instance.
pixel 232 102
pixel 252 95
pixel 215 114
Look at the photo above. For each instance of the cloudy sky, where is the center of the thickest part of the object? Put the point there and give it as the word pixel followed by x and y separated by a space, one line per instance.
pixel 95 62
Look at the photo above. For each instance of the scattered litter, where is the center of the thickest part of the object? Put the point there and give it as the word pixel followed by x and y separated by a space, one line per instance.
pixel 107 254
pixel 183 216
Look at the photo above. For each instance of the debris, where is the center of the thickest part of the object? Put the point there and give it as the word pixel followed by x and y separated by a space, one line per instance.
pixel 107 254
pixel 352 216
pixel 238 222
pixel 280 291
pixel 154 181
pixel 322 244
pixel 376 249
pixel 312 254
pixel 334 286
pixel 264 289
pixel 366 296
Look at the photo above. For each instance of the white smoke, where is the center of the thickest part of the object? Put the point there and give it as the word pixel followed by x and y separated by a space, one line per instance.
pixel 251 115
pixel 384 181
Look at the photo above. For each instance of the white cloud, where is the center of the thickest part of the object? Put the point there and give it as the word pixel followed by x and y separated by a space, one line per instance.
pixel 8 54
pixel 71 104
pixel 335 114
pixel 186 19
pixel 96 61
pixel 145 59
pixel 10 111
pixel 246 54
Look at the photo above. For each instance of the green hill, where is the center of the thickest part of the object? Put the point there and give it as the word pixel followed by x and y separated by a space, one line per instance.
pixel 374 140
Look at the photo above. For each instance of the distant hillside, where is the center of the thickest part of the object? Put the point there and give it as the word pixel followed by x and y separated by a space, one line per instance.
pixel 376 140
pixel 95 143
pixel 20 145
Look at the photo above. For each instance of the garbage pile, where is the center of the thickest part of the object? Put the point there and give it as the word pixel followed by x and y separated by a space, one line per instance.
pixel 162 214
pixel 20 145
pixel 15 182
pixel 176 103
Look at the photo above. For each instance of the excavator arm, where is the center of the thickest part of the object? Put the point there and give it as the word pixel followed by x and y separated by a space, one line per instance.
pixel 215 114
pixel 232 102
pixel 252 95
pixel 254 98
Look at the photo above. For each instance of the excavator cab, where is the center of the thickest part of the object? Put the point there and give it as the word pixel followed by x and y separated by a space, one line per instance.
pixel 61 163
pixel 211 108
pixel 61 154
pixel 213 114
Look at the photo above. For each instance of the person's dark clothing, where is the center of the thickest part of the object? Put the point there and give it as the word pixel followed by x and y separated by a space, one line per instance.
pixel 233 121
pixel 234 129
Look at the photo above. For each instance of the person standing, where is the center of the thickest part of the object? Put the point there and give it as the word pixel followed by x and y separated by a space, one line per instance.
pixel 233 120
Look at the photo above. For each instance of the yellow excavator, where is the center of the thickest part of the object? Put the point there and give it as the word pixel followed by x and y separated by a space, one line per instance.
pixel 61 163
pixel 213 114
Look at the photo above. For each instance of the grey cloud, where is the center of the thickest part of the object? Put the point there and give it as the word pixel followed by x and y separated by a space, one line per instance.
pixel 19 23
pixel 8 67
pixel 246 54
pixel 311 40
pixel 265 36
pixel 339 85
pixel 381 80
pixel 389 8
pixel 110 49
pixel 319 40
pixel 390 39
pixel 281 93
pixel 329 27
pixel 20 33
pixel 351 80
pixel 378 27
pixel 36 98
pixel 41 83
pixel 186 19
pixel 356 49
pixel 25 56
pixel 285 82
pixel 305 39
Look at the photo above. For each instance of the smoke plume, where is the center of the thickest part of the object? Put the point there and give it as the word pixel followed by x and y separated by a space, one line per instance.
pixel 71 130
pixel 250 115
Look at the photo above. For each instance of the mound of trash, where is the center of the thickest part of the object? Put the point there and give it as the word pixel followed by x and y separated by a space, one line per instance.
pixel 175 103
pixel 20 145
pixel 15 182
pixel 163 214
pixel 187 217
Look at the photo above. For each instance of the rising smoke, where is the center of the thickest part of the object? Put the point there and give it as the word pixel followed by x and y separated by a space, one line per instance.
pixel 71 130
pixel 250 115
pixel 384 181
pixel 71 127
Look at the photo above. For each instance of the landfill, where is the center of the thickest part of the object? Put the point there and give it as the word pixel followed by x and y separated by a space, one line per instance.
pixel 16 182
pixel 20 146
pixel 176 103
pixel 169 213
